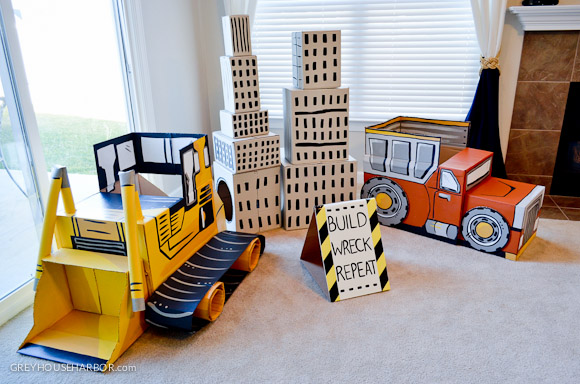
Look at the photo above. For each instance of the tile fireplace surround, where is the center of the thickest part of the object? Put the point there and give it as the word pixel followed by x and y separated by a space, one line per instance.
pixel 550 61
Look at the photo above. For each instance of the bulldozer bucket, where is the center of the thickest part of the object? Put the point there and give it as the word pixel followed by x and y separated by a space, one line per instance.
pixel 82 310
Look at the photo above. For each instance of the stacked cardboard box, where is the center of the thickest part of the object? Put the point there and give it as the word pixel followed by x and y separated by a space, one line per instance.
pixel 317 168
pixel 246 153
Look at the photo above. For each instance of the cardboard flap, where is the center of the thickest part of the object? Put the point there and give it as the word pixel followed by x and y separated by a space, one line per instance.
pixel 312 257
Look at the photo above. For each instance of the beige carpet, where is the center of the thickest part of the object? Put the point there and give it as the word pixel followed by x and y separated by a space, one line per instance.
pixel 453 315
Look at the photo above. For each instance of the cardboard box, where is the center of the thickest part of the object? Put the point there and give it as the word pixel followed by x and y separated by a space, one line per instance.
pixel 306 186
pixel 240 125
pixel 251 199
pixel 456 199
pixel 240 83
pixel 237 40
pixel 316 59
pixel 316 125
pixel 247 154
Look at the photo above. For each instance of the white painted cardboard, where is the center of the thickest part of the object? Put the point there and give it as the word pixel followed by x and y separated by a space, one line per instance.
pixel 305 186
pixel 316 125
pixel 239 125
pixel 254 198
pixel 247 154
pixel 237 40
pixel 240 83
pixel 316 59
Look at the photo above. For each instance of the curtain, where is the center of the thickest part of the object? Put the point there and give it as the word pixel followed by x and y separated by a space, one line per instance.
pixel 241 7
pixel 489 18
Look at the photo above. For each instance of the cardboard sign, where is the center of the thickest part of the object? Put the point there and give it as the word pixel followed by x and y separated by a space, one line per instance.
pixel 343 250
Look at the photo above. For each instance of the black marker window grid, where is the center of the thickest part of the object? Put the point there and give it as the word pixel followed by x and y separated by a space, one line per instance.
pixel 315 60
pixel 303 193
pixel 246 90
pixel 257 154
pixel 249 124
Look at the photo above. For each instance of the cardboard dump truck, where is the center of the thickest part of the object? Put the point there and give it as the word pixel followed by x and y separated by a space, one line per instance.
pixel 457 200
pixel 129 255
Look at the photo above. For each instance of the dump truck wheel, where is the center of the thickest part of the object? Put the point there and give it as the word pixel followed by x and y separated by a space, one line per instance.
pixel 485 229
pixel 392 202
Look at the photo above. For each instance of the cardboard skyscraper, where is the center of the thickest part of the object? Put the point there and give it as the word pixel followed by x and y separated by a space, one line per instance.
pixel 316 168
pixel 246 153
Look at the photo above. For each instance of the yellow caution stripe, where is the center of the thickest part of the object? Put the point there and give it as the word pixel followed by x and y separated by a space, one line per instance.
pixel 378 244
pixel 326 250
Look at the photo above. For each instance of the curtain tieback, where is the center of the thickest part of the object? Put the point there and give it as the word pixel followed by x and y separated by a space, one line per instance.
pixel 489 63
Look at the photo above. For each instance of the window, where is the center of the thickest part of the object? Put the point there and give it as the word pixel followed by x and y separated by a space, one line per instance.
pixel 478 174
pixel 448 181
pixel 71 57
pixel 401 157
pixel 63 57
pixel 399 57
pixel 378 154
pixel 190 161
pixel 425 159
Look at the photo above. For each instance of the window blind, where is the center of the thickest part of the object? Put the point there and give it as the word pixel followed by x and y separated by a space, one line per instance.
pixel 399 57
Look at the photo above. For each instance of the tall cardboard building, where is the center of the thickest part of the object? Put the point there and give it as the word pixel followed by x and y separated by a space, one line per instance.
pixel 247 155
pixel 316 168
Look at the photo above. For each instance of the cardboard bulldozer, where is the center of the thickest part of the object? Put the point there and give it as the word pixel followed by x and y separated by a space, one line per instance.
pixel 130 256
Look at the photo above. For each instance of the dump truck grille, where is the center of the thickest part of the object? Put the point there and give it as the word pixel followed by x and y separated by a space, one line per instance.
pixel 530 218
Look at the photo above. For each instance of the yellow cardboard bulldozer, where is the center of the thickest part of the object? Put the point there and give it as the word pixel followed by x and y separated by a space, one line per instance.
pixel 129 256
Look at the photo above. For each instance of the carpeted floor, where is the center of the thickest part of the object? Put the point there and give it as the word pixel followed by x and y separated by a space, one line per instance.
pixel 453 315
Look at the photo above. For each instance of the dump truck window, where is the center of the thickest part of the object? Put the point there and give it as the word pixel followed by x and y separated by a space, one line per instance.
pixel 401 157
pixel 448 181
pixel 425 159
pixel 378 154
pixel 478 174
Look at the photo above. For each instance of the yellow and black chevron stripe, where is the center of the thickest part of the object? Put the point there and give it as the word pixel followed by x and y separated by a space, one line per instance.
pixel 326 250
pixel 378 244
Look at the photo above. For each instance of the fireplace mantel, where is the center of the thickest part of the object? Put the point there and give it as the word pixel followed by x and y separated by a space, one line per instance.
pixel 548 17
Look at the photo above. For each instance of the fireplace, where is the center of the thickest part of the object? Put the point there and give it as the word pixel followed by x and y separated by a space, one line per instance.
pixel 566 179
pixel 544 139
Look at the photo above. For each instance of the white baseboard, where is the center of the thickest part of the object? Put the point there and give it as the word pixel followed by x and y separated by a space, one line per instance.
pixel 16 302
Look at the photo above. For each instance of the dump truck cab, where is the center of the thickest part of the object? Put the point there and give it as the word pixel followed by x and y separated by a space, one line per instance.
pixel 458 199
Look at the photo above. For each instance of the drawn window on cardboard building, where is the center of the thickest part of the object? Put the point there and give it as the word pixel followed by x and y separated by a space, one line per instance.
pixel 478 174
pixel 378 154
pixel 448 181
pixel 425 159
pixel 401 157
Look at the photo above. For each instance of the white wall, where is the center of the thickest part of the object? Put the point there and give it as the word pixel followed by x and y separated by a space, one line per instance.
pixel 174 42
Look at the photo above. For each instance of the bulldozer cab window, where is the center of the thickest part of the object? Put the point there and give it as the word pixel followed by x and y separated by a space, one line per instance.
pixel 378 148
pixel 448 181
pixel 206 154
pixel 191 167
pixel 401 157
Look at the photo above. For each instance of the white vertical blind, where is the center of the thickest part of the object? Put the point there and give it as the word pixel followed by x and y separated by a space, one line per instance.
pixel 399 57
